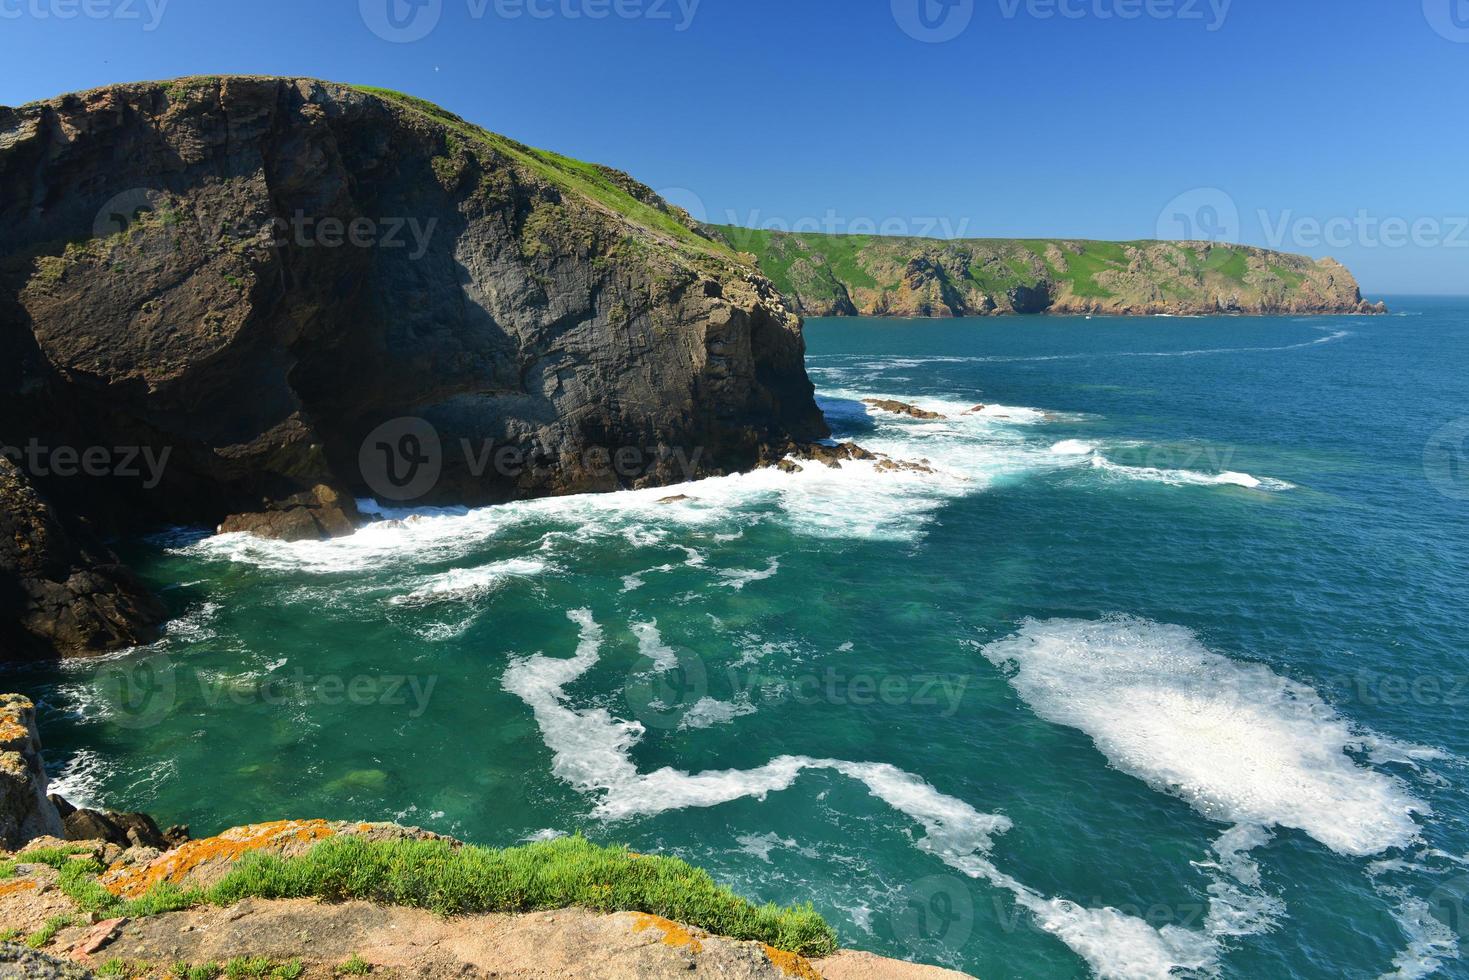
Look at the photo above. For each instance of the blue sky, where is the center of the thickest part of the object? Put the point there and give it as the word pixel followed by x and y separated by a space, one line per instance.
pixel 1331 127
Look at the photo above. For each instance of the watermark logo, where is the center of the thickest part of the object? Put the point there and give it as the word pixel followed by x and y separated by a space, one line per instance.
pixel 1450 18
pixel 401 21
pixel 662 697
pixel 1449 904
pixel 933 21
pixel 401 460
pixel 1211 13
pixel 141 463
pixel 936 914
pixel 149 12
pixel 1205 214
pixel 123 211
pixel 1446 460
pixel 138 692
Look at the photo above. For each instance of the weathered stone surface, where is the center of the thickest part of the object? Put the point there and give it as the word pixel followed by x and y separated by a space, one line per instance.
pixel 25 812
pixel 314 515
pixel 262 273
pixel 20 963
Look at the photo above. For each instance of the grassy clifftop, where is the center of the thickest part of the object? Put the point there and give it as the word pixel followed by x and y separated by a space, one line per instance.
pixel 869 275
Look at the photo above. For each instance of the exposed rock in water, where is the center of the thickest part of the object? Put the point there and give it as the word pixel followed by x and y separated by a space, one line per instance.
pixel 284 294
pixel 314 515
pixel 25 812
pixel 901 408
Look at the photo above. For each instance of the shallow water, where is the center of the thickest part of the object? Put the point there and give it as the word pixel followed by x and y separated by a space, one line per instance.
pixel 1162 668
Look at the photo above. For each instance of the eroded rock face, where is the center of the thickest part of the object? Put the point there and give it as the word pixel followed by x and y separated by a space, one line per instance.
pixel 243 279
pixel 25 812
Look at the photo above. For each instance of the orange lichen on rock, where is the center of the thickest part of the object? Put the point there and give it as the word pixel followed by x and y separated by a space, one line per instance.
pixel 674 934
pixel 791 964
pixel 176 865
pixel 12 887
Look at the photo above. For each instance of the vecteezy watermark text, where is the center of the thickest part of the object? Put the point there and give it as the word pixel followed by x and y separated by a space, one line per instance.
pixel 141 692
pixel 1212 215
pixel 150 12
pixel 1211 13
pixel 403 459
pixel 406 21
pixel 124 462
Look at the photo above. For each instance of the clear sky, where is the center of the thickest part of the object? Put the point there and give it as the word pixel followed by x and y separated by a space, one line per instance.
pixel 1331 127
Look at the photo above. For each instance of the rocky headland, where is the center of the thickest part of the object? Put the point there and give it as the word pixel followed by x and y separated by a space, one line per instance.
pixel 246 302
pixel 871 275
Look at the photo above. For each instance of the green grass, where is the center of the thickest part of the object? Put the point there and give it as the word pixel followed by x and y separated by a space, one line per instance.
pixel 203 971
pixel 356 966
pixel 1291 279
pixel 48 932
pixel 436 876
pixel 585 180
pixel 1227 262
pixel 1095 257
pixel 248 968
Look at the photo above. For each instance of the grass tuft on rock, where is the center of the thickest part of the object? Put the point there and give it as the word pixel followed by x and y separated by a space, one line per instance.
pixel 467 880
pixel 572 871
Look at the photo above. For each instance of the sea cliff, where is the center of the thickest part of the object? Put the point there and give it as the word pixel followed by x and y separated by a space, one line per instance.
pixel 235 299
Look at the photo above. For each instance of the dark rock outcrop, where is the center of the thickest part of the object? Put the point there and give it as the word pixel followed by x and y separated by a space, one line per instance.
pixel 60 589
pixel 255 299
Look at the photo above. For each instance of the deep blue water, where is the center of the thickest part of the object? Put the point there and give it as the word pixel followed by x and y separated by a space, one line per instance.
pixel 1161 667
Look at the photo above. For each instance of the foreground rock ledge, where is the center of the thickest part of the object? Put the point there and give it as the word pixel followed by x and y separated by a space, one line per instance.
pixel 396 942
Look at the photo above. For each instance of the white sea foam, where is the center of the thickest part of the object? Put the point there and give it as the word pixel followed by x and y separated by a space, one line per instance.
pixel 1238 742
pixel 459 584
pixel 1431 942
pixel 80 781
pixel 1073 447
pixel 651 645
pixel 708 712
pixel 738 578
pixel 592 751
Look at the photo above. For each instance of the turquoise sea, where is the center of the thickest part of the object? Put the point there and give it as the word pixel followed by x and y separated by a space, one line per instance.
pixel 1161 667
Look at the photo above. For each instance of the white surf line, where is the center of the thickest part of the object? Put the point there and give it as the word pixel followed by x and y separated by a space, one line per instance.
pixel 879 363
pixel 591 750
pixel 1185 477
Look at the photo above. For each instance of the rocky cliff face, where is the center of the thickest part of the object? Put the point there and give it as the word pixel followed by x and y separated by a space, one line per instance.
pixel 25 812
pixel 265 297
pixel 833 275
